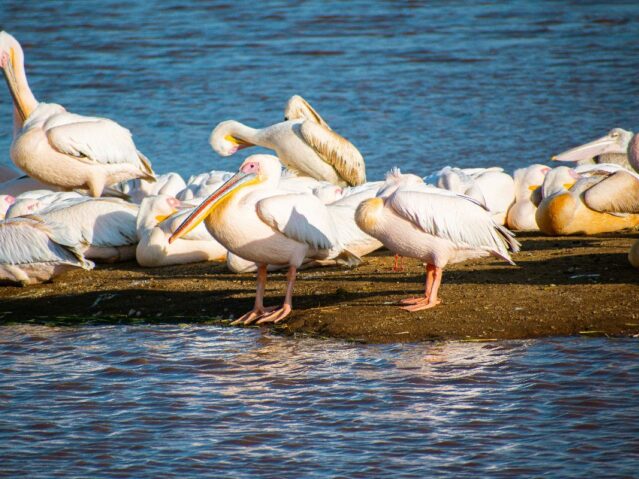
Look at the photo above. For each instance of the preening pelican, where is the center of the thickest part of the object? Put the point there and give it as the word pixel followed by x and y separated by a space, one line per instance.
pixel 434 225
pixel 528 181
pixel 604 201
pixel 158 218
pixel 34 251
pixel 304 143
pixel 611 148
pixel 64 149
pixel 255 220
pixel 491 187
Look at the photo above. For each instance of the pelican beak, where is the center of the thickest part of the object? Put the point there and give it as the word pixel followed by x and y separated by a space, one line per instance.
pixel 199 214
pixel 161 218
pixel 6 63
pixel 605 144
pixel 238 142
pixel 533 187
pixel 569 185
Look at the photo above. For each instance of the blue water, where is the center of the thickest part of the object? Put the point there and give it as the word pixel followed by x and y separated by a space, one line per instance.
pixel 153 401
pixel 463 83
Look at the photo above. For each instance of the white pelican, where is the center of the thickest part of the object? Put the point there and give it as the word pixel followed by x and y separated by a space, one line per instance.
pixel 157 220
pixel 614 147
pixel 31 202
pixel 602 202
pixel 491 187
pixel 304 143
pixel 348 234
pixel 528 181
pixel 5 203
pixel 255 220
pixel 61 148
pixel 137 189
pixel 434 225
pixel 104 228
pixel 34 251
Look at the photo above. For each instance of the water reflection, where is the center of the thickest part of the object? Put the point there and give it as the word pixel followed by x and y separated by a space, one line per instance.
pixel 163 399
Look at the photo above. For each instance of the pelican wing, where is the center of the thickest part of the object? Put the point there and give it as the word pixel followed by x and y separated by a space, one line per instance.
pixel 335 150
pixel 99 222
pixel 29 240
pixel 297 108
pixel 94 140
pixel 618 193
pixel 455 218
pixel 301 217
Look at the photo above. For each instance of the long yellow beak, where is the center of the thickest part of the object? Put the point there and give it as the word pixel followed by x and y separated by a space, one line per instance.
pixel 605 144
pixel 200 213
pixel 12 84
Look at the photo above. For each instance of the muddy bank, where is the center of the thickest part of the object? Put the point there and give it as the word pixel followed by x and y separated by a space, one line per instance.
pixel 560 286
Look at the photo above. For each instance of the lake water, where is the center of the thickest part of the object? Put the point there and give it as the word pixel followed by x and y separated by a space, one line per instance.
pixel 150 401
pixel 468 84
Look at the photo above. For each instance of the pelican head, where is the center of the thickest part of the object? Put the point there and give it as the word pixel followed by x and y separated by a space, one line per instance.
pixel 224 139
pixel 12 64
pixel 616 141
pixel 557 180
pixel 256 170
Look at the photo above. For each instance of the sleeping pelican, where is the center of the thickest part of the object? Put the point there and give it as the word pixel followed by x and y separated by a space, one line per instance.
pixel 491 187
pixel 158 218
pixel 434 225
pixel 34 251
pixel 602 202
pixel 304 143
pixel 528 181
pixel 137 189
pixel 105 227
pixel 611 148
pixel 61 148
pixel 255 220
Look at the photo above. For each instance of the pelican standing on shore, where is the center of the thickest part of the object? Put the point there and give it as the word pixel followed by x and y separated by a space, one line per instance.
pixel 434 225
pixel 64 149
pixel 304 143
pixel 255 220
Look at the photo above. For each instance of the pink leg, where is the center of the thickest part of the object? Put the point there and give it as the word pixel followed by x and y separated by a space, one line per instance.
pixel 279 314
pixel 399 263
pixel 430 270
pixel 258 309
pixel 430 300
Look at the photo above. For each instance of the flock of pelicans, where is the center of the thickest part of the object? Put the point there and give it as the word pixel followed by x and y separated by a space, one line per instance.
pixel 90 195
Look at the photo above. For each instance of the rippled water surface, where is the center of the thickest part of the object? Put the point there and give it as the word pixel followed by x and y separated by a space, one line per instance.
pixel 465 83
pixel 151 401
